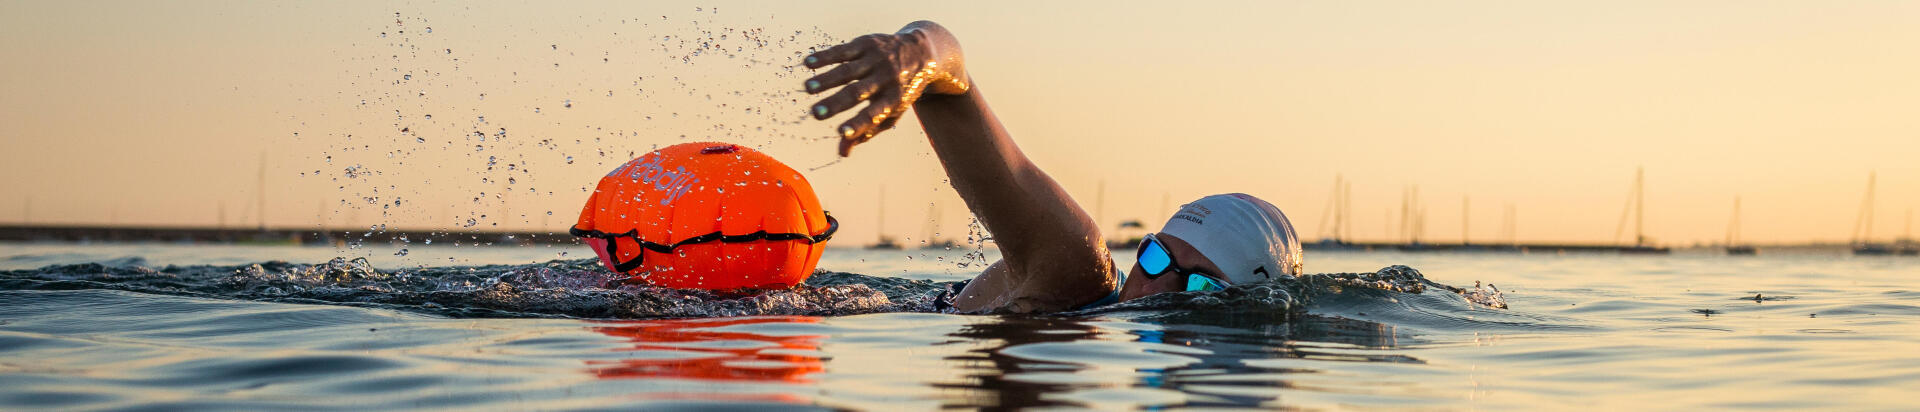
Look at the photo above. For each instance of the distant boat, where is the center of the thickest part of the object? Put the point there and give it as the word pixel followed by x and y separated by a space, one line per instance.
pixel 1128 235
pixel 1645 250
pixel 1863 226
pixel 1637 204
pixel 1734 248
pixel 1339 205
pixel 886 242
pixel 1335 244
pixel 1867 249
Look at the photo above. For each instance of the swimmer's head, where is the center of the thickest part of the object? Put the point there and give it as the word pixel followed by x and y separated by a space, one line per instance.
pixel 1231 239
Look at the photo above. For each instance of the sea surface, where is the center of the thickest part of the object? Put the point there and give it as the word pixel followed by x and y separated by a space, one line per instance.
pixel 233 327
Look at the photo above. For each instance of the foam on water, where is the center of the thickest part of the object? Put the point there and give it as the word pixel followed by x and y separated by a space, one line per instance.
pixel 582 288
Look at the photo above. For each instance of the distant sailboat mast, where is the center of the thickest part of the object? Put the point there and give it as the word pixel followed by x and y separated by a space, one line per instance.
pixel 1638 203
pixel 1733 246
pixel 1863 226
pixel 1333 211
pixel 1636 206
pixel 883 242
pixel 1640 207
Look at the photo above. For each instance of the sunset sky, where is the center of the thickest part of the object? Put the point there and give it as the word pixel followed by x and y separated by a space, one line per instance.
pixel 162 113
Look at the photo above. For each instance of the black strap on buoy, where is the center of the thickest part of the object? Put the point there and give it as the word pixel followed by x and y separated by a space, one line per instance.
pixel 613 241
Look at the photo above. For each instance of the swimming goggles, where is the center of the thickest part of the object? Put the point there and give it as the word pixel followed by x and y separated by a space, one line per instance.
pixel 1154 258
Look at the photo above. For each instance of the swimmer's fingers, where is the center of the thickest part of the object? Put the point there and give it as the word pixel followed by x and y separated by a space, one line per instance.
pixel 841 53
pixel 847 143
pixel 839 76
pixel 876 117
pixel 846 98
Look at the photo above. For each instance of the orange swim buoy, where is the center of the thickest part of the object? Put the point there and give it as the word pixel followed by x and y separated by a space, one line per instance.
pixel 707 216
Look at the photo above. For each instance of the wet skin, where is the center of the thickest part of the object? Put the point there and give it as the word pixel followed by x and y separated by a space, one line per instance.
pixel 1053 255
pixel 890 72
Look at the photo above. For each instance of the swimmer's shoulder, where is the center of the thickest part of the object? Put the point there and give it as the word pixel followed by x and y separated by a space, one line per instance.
pixel 1113 296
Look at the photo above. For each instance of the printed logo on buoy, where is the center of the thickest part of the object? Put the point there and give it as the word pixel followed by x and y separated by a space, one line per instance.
pixel 648 170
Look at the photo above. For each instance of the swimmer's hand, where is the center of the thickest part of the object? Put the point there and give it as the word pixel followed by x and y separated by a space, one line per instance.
pixel 890 72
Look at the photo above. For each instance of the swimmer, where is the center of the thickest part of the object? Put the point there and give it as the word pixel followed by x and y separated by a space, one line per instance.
pixel 1053 256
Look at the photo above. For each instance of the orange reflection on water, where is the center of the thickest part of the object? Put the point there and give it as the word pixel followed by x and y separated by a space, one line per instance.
pixel 735 355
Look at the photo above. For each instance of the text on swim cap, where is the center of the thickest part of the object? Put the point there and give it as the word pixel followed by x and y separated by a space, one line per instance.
pixel 647 170
pixel 1193 213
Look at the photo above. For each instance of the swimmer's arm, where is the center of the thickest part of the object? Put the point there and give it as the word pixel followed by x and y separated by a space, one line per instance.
pixel 1055 258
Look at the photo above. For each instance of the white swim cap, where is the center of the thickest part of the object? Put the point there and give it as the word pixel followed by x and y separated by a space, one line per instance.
pixel 1248 238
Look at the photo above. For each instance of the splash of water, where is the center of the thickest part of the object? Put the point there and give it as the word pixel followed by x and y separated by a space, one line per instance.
pixel 719 77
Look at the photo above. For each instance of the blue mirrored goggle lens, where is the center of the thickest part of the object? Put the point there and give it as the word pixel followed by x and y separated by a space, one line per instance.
pixel 1154 258
pixel 1197 282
